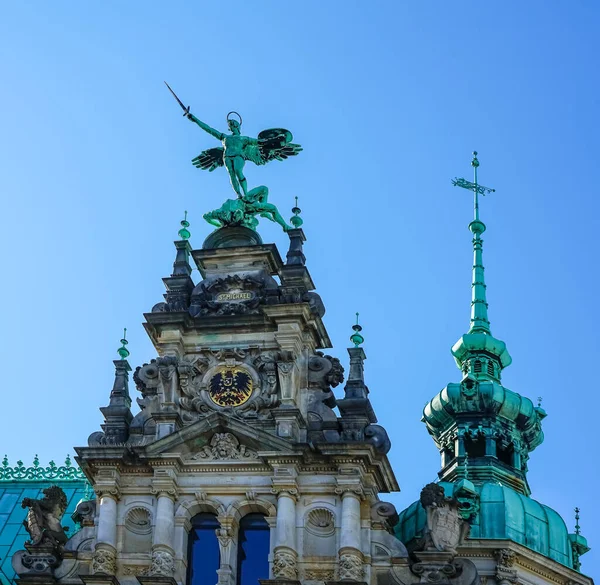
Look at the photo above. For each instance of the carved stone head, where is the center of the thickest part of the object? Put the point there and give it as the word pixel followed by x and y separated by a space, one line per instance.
pixel 225 445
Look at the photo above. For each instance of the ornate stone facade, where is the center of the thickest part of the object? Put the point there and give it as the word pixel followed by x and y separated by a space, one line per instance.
pixel 238 416
pixel 237 419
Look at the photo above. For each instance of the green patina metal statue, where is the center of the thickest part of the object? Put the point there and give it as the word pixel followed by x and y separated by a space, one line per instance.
pixel 273 144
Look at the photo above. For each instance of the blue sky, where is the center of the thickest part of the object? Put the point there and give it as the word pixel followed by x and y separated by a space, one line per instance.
pixel 388 100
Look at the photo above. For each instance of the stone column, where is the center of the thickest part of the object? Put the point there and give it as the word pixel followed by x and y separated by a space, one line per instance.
pixel 285 557
pixel 227 536
pixel 163 555
pixel 350 556
pixel 104 561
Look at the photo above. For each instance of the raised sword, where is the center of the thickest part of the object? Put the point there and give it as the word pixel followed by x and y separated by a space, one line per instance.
pixel 186 111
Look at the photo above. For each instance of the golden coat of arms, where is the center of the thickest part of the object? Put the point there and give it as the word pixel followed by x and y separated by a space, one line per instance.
pixel 230 386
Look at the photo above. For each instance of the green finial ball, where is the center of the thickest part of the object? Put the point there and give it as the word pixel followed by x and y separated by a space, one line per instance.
pixel 475 161
pixel 123 351
pixel 356 338
pixel 184 233
pixel 296 220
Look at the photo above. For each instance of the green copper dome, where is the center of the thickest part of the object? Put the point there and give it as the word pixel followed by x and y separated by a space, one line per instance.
pixel 503 514
pixel 493 399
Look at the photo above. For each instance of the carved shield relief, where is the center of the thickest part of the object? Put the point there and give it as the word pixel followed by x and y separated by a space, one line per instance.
pixel 446 528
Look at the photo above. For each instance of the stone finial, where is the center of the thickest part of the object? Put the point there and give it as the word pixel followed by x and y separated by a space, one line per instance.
pixel 355 387
pixel 295 255
pixel 179 285
pixel 355 408
pixel 117 415
pixel 181 266
pixel 119 396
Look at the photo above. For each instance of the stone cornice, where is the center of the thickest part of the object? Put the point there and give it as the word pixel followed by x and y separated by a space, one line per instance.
pixel 365 455
pixel 526 558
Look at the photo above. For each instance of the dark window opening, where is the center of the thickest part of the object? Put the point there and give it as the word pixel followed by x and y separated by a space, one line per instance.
pixel 475 447
pixel 253 550
pixel 447 455
pixel 506 454
pixel 490 368
pixel 477 366
pixel 204 556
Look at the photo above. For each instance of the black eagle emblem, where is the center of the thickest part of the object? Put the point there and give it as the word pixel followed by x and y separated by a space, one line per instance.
pixel 230 387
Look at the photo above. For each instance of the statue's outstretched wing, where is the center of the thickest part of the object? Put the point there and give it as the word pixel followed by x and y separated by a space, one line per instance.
pixel 273 144
pixel 209 160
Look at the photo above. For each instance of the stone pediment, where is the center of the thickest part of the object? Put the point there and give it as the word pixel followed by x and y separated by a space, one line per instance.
pixel 217 438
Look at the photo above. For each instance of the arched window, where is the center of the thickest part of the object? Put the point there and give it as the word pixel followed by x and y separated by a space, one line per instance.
pixel 253 550
pixel 204 556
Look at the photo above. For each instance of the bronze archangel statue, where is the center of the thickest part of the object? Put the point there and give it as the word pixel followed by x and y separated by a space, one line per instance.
pixel 273 144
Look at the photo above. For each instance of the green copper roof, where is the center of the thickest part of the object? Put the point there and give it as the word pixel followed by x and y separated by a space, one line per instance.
pixel 503 514
pixel 21 482
pixel 441 411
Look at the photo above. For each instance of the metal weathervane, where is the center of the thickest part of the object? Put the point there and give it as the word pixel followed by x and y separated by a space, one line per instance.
pixel 475 186
pixel 236 149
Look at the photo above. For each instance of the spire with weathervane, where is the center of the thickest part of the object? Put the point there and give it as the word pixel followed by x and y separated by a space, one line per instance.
pixel 478 419
pixel 478 352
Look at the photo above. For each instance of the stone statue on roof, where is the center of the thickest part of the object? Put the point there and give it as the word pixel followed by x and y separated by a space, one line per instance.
pixel 44 516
